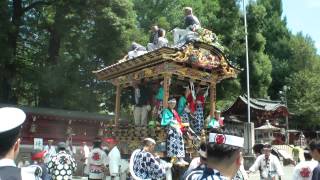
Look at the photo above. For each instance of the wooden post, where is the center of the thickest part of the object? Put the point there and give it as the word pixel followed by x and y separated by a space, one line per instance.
pixel 117 108
pixel 212 98
pixel 166 87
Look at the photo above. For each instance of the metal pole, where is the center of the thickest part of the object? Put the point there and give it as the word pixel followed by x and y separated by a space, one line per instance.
pixel 247 59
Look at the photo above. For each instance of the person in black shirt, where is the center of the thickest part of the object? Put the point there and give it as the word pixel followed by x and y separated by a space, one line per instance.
pixel 190 20
pixel 154 34
pixel 191 23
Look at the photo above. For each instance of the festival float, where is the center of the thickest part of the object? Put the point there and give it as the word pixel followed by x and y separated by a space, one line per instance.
pixel 197 60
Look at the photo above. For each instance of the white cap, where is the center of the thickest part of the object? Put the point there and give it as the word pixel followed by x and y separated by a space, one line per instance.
pixel 150 140
pixel 11 118
pixel 226 139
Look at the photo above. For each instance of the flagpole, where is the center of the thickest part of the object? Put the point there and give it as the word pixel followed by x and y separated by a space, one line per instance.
pixel 247 60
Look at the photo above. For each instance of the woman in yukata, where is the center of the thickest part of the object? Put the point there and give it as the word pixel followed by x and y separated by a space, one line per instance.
pixel 183 108
pixel 175 143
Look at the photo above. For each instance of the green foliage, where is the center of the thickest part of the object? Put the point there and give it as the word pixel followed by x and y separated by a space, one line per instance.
pixel 304 97
pixel 60 43
pixel 259 63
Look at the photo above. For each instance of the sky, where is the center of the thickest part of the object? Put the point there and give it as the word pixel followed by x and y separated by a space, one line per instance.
pixel 303 15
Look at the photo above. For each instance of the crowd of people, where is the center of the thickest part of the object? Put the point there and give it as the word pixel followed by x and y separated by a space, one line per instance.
pixel 220 158
pixel 53 163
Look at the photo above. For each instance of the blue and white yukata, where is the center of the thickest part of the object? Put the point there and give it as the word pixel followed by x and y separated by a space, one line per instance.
pixel 182 104
pixel 145 166
pixel 198 121
pixel 206 174
pixel 175 144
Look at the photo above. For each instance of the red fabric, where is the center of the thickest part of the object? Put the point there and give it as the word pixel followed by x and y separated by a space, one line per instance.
pixel 192 105
pixel 110 140
pixel 221 122
pixel 38 155
pixel 176 115
pixel 201 99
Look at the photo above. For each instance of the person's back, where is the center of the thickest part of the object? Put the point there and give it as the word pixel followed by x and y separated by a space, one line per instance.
pixel 223 157
pixel 303 170
pixel 97 161
pixel 62 165
pixel 144 165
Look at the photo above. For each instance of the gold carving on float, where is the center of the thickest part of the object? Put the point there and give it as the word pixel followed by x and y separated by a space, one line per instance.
pixel 180 56
pixel 198 57
pixel 227 70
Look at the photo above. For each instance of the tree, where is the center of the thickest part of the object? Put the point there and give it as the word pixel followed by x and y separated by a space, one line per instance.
pixel 12 14
pixel 59 44
pixel 260 65
pixel 304 97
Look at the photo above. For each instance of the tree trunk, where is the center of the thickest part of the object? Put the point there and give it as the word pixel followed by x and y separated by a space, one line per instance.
pixel 56 33
pixel 9 63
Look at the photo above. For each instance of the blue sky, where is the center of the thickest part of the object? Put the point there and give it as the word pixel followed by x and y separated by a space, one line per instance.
pixel 304 15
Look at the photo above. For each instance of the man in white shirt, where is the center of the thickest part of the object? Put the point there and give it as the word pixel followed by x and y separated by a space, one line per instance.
pixel 162 41
pixel 114 159
pixel 12 119
pixel 86 151
pixel 50 148
pixel 97 161
pixel 268 165
pixel 303 170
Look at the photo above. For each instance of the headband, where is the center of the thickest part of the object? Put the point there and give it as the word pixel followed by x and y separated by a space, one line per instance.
pixel 226 139
pixel 173 100
pixel 150 140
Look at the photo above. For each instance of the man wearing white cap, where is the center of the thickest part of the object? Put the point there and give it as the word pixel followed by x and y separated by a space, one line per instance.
pixel 144 165
pixel 223 158
pixel 11 120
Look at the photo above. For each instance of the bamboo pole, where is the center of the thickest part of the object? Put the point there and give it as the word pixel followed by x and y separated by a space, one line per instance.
pixel 166 87
pixel 212 98
pixel 117 108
